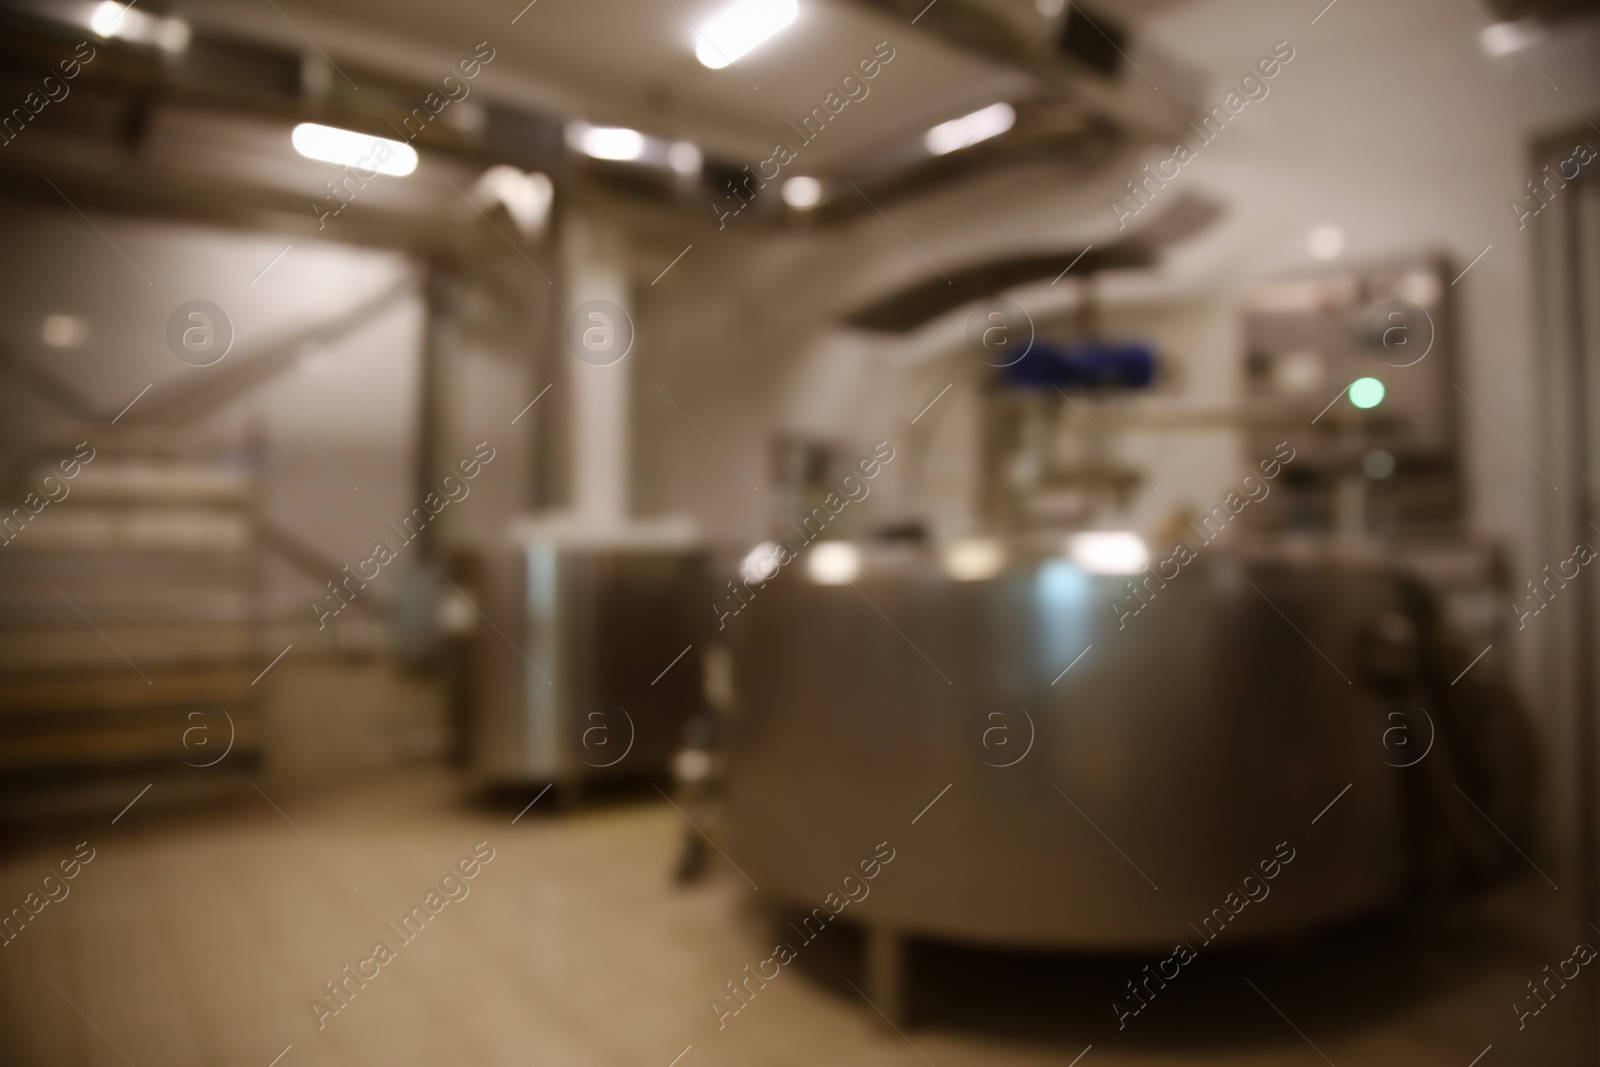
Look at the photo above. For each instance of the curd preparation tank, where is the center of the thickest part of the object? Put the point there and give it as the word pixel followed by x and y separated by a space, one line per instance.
pixel 1053 773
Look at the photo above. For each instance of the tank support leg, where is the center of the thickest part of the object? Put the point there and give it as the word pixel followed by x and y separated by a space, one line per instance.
pixel 886 972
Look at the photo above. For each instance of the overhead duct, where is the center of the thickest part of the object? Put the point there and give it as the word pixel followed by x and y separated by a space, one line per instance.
pixel 1077 56
pixel 909 308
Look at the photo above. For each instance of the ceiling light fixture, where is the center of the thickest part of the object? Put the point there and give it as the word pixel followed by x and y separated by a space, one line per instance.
pixel 802 192
pixel 740 28
pixel 111 19
pixel 970 129
pixel 107 18
pixel 329 144
pixel 833 563
pixel 605 142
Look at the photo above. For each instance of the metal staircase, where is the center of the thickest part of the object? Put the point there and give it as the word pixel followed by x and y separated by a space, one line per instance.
pixel 129 631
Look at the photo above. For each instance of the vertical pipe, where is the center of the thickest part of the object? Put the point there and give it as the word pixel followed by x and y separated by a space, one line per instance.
pixel 430 404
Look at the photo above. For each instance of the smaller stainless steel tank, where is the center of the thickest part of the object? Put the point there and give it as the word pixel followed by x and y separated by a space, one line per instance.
pixel 575 685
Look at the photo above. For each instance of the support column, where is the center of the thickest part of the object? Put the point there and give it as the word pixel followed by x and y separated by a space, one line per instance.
pixel 437 324
pixel 595 257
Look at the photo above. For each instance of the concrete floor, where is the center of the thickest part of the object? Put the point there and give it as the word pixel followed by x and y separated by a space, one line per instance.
pixel 201 939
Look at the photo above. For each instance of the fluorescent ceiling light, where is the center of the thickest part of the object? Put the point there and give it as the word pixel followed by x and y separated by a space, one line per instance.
pixel 118 20
pixel 739 28
pixel 970 129
pixel 351 149
pixel 107 18
pixel 605 142
pixel 802 192
pixel 833 563
pixel 1109 552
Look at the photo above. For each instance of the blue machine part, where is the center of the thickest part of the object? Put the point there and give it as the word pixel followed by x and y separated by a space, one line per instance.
pixel 1092 364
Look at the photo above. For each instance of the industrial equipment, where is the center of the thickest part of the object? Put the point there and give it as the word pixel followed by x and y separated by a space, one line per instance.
pixel 587 673
pixel 1082 738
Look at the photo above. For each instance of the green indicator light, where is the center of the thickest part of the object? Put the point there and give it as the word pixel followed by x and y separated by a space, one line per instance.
pixel 1366 392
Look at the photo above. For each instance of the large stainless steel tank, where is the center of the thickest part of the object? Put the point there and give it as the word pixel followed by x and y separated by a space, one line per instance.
pixel 1113 806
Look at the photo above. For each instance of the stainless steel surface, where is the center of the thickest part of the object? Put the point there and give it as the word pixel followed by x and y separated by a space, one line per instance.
pixel 1178 752
pixel 578 635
